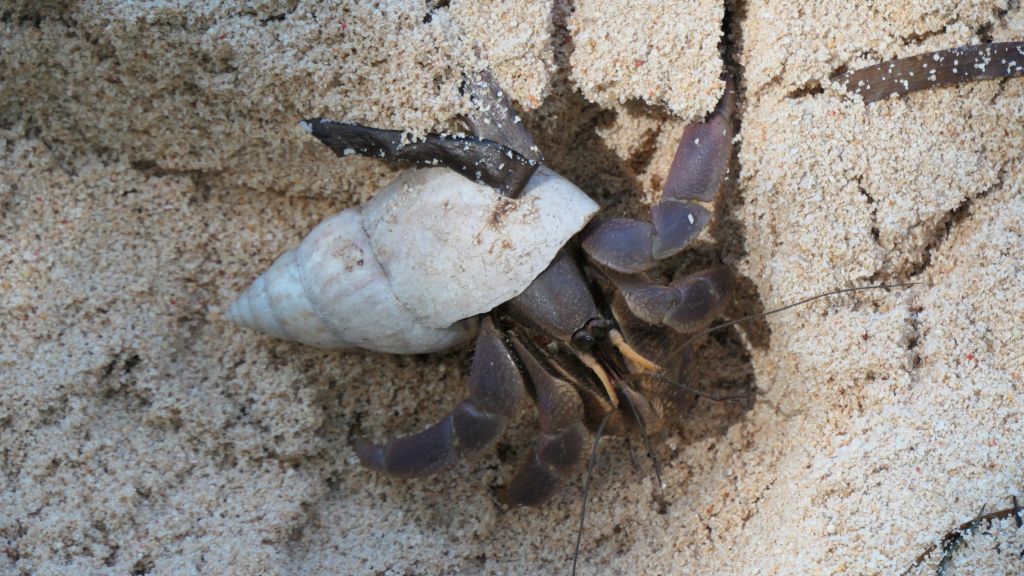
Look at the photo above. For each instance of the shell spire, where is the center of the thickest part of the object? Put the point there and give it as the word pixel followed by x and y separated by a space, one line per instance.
pixel 276 304
pixel 330 292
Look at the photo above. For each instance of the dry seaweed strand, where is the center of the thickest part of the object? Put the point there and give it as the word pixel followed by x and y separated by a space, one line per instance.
pixel 933 69
pixel 956 537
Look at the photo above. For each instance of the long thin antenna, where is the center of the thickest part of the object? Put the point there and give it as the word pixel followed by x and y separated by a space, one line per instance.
pixel 591 463
pixel 795 304
pixel 736 398
pixel 647 443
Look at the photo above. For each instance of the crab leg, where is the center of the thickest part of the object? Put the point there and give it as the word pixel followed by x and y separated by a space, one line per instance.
pixel 495 391
pixel 701 160
pixel 480 160
pixel 500 154
pixel 686 305
pixel 625 248
pixel 671 352
pixel 559 451
pixel 496 119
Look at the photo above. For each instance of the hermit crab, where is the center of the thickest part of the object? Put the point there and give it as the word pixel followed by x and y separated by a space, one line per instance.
pixel 480 239
pixel 485 228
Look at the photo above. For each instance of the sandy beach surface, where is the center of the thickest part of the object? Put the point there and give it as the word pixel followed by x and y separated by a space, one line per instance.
pixel 151 166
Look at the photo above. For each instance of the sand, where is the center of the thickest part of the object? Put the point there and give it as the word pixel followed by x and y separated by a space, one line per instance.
pixel 152 167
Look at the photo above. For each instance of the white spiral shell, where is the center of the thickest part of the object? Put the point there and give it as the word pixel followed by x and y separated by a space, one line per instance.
pixel 409 271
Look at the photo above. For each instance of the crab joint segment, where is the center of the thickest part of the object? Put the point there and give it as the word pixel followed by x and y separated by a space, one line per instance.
pixel 701 161
pixel 559 451
pixel 686 305
pixel 496 389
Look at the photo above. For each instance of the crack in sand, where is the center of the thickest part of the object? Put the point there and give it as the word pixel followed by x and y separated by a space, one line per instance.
pixel 942 230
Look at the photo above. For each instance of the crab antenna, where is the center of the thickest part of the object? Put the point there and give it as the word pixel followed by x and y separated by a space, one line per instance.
pixel 736 398
pixel 647 443
pixel 795 304
pixel 591 463
pixel 697 391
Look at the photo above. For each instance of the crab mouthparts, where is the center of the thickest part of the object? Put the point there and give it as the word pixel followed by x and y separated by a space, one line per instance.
pixel 636 360
pixel 614 364
pixel 597 367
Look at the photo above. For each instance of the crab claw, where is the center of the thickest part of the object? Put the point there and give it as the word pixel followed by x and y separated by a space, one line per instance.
pixel 496 391
pixel 701 161
pixel 686 305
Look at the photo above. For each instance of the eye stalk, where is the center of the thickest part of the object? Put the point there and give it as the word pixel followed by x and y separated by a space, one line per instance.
pixel 595 329
pixel 583 340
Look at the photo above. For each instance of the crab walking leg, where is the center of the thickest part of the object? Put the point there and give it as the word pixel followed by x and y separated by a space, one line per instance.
pixel 559 452
pixel 496 119
pixel 701 161
pixel 495 393
pixel 669 349
pixel 500 153
pixel 480 160
pixel 686 305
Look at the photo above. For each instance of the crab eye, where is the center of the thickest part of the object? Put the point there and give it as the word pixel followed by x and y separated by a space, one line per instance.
pixel 582 340
pixel 599 327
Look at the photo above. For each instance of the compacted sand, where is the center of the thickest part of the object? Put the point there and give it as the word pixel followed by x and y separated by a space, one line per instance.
pixel 152 167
